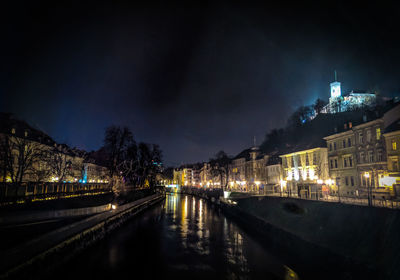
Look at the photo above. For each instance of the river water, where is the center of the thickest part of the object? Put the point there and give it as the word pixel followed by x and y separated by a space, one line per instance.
pixel 182 237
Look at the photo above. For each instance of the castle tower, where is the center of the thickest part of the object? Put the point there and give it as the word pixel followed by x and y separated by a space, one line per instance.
pixel 335 88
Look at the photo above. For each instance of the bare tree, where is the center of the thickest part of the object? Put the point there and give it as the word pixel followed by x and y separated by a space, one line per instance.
pixel 60 164
pixel 19 157
pixel 220 167
pixel 41 171
pixel 116 142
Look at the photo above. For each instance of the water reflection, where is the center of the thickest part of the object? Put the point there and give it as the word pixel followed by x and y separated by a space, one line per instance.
pixel 180 238
pixel 210 242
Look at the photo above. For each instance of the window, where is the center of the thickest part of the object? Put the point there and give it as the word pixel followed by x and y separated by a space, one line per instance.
pixel 26 133
pixel 344 143
pixel 314 158
pixel 12 130
pixel 362 159
pixel 307 161
pixel 330 146
pixel 350 124
pixel 337 181
pixel 394 146
pixel 368 135
pixel 380 156
pixel 350 161
pixel 334 146
pixel 395 165
pixel 371 156
pixel 346 180
pixel 352 180
pixel 360 138
pixel 331 163
pixel 335 163
pixel 344 162
pixel 378 133
pixel 349 142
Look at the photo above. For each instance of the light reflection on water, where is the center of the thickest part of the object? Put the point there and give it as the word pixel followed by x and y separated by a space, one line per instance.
pixel 184 237
pixel 209 238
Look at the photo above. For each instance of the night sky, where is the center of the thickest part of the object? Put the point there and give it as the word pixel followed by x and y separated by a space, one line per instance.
pixel 194 79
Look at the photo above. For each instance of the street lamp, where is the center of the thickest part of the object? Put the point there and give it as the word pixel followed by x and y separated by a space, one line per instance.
pixel 366 175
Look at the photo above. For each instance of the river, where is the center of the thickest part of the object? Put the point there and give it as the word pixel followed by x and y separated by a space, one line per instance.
pixel 182 237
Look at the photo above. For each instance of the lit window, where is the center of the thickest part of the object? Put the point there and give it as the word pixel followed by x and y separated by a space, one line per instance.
pixel 13 130
pixel 378 133
pixel 394 146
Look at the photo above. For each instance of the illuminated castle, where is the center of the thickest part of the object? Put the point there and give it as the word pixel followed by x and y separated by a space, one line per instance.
pixel 353 100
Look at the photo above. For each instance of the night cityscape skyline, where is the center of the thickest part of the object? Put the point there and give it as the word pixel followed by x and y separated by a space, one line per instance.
pixel 193 79
pixel 211 140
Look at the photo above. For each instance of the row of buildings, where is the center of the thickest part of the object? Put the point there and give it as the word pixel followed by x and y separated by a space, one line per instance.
pixel 359 158
pixel 30 155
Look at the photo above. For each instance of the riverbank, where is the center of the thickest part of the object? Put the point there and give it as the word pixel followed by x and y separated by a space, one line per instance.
pixel 51 248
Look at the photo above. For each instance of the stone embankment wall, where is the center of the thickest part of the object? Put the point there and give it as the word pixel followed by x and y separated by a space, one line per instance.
pixel 62 243
pixel 367 234
pixel 33 216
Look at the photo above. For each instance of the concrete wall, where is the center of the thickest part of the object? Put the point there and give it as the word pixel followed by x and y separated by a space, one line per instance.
pixel 369 235
pixel 32 216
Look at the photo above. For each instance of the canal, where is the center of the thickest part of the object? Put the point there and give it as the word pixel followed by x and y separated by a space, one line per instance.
pixel 182 237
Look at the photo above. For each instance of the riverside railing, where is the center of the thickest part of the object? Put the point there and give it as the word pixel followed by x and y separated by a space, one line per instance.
pixel 10 192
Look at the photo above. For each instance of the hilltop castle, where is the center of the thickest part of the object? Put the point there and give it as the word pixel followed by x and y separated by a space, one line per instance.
pixel 353 100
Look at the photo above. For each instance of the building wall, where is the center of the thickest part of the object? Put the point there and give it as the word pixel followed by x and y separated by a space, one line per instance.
pixel 274 174
pixel 392 180
pixel 342 162
pixel 304 169
pixel 42 170
pixel 371 153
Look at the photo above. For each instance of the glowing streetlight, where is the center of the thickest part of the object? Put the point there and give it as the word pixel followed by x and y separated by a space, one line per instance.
pixel 366 175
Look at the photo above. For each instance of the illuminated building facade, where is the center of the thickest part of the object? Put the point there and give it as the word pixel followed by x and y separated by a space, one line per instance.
pixel 392 140
pixel 359 158
pixel 275 182
pixel 187 176
pixel 44 159
pixel 306 173
pixel 342 162
pixel 248 171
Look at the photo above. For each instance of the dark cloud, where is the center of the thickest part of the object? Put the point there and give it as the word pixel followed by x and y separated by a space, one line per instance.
pixel 194 79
